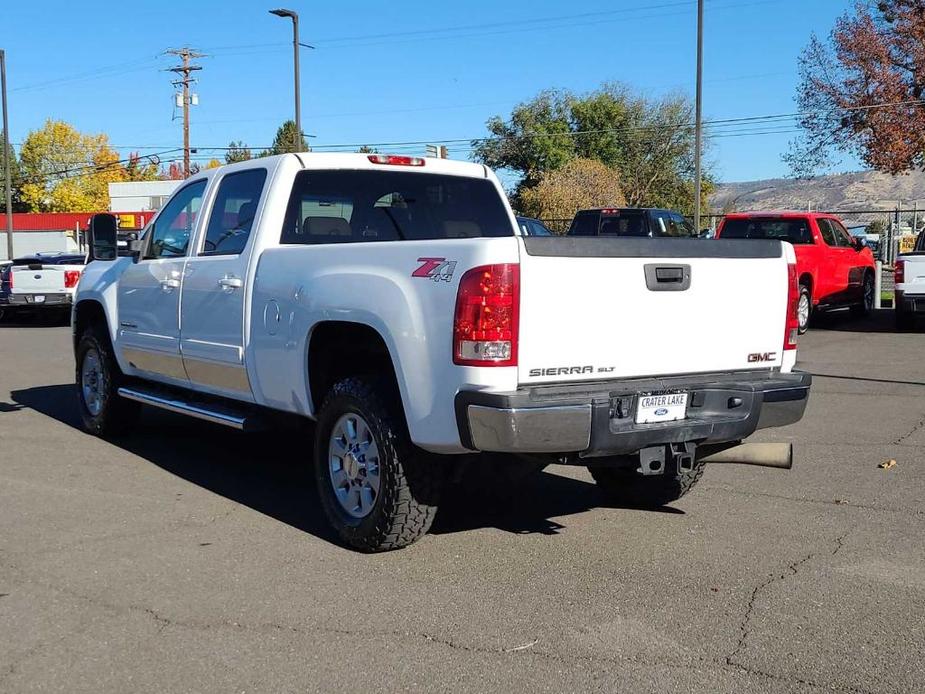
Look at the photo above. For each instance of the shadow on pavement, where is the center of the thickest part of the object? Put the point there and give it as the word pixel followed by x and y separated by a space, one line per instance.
pixel 270 472
pixel 879 321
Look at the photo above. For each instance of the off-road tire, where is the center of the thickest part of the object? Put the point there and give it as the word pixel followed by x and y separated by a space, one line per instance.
pixel 626 487
pixel 863 309
pixel 809 318
pixel 116 414
pixel 411 480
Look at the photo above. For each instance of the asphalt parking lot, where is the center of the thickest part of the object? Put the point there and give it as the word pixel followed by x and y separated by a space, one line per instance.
pixel 188 557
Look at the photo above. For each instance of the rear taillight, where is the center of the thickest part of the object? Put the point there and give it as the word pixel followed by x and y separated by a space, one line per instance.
pixel 9 276
pixel 792 324
pixel 395 160
pixel 487 318
pixel 71 278
pixel 899 275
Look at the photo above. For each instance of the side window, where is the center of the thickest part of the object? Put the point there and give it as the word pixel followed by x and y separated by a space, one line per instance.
pixel 539 229
pixel 661 224
pixel 233 213
pixel 171 231
pixel 684 227
pixel 841 234
pixel 828 232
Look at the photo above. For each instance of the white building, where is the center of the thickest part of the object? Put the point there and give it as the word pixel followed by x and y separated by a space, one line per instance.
pixel 138 196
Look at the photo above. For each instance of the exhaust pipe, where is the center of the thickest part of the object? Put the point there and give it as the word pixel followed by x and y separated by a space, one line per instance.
pixel 779 455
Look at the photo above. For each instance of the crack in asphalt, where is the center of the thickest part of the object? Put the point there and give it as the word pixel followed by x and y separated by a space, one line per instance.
pixel 805 500
pixel 919 425
pixel 745 624
pixel 526 649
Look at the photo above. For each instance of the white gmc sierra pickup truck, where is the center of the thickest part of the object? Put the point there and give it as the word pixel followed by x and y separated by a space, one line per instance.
pixel 395 301
pixel 909 300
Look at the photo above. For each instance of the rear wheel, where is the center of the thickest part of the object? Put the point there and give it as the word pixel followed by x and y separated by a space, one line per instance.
pixel 804 308
pixel 626 487
pixel 102 411
pixel 864 308
pixel 378 491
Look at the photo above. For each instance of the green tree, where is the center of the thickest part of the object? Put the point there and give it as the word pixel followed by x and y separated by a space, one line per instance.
pixel 366 149
pixel 579 184
pixel 285 140
pixel 65 170
pixel 15 181
pixel 237 151
pixel 649 142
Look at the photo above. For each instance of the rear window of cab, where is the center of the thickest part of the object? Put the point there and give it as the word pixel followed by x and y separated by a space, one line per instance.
pixel 352 206
pixel 795 231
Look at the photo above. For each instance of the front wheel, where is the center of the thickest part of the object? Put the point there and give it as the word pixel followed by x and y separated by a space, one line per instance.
pixel 102 411
pixel 863 309
pixel 626 487
pixel 378 491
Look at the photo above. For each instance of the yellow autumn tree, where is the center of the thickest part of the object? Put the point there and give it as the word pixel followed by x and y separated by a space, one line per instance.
pixel 579 184
pixel 213 164
pixel 65 170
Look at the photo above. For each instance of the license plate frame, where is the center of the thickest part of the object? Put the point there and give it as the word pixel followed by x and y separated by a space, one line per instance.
pixel 662 407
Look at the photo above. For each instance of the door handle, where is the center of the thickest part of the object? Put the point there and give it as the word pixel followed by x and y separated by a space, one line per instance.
pixel 229 283
pixel 170 284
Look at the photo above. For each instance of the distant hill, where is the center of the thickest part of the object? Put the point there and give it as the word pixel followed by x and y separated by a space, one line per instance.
pixel 864 190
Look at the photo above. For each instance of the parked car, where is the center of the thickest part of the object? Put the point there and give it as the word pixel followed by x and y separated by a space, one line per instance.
pixel 834 269
pixel 43 283
pixel 533 227
pixel 630 221
pixel 909 298
pixel 395 301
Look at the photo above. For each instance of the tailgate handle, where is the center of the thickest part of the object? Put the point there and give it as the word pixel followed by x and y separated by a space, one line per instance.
pixel 667 278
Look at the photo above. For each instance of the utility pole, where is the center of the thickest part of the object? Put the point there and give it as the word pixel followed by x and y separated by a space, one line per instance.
pixel 185 69
pixel 698 126
pixel 6 160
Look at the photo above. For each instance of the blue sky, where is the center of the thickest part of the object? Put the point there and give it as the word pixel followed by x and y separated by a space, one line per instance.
pixel 398 71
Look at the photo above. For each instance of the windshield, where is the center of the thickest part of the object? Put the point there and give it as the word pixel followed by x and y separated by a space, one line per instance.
pixel 795 231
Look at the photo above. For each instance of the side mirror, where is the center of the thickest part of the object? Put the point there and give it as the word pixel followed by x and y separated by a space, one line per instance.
pixel 103 237
pixel 859 243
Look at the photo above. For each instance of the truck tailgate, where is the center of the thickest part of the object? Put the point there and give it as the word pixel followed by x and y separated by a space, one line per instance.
pixel 38 279
pixel 603 308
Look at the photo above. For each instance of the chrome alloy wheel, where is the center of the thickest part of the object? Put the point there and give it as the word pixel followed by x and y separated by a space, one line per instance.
pixel 353 461
pixel 91 382
pixel 803 310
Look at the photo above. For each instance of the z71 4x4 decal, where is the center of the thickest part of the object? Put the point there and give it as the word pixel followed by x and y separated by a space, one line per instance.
pixel 436 269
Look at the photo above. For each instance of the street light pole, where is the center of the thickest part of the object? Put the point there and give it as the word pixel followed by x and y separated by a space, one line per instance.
pixel 6 160
pixel 698 126
pixel 294 16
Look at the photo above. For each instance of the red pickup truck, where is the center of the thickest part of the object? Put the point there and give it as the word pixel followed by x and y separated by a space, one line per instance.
pixel 835 269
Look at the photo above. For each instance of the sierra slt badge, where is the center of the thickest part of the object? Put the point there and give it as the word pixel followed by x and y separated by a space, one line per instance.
pixel 561 371
pixel 759 357
pixel 436 269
